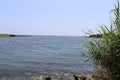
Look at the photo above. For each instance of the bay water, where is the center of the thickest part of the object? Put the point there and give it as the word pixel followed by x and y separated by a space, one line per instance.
pixel 43 55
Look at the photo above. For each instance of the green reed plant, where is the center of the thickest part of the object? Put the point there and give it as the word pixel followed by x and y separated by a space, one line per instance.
pixel 106 51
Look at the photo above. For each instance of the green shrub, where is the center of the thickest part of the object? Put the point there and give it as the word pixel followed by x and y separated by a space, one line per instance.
pixel 106 51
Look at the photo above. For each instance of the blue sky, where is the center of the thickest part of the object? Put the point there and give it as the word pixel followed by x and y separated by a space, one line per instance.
pixel 53 17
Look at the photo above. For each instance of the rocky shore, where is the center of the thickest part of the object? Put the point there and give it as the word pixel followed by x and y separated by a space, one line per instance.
pixel 13 35
pixel 57 76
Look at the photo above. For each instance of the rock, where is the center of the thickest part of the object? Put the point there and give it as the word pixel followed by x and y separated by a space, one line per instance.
pixel 57 78
pixel 95 77
pixel 41 77
pixel 48 78
pixel 69 76
pixel 63 76
pixel 89 77
pixel 80 76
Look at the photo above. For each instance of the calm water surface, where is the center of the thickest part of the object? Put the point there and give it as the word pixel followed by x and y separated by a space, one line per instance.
pixel 42 55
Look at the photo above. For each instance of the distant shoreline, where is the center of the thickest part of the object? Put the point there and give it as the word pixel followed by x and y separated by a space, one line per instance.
pixel 13 35
pixel 95 36
pixel 7 35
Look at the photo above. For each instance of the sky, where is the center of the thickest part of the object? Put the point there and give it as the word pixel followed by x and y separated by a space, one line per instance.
pixel 54 17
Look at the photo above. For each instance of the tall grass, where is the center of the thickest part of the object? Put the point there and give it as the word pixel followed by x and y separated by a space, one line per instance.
pixel 106 51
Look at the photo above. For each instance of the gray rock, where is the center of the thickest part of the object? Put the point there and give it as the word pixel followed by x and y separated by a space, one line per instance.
pixel 80 76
